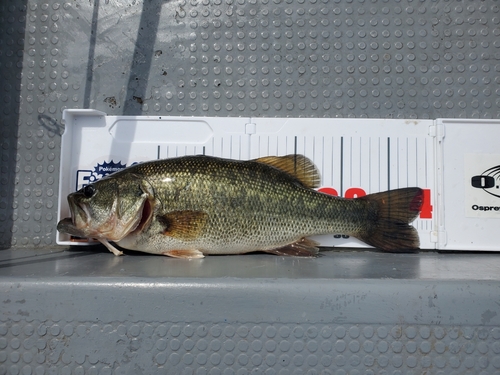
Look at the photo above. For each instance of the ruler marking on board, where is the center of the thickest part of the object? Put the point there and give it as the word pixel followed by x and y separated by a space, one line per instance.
pixel 341 192
pixel 388 163
pixel 351 161
pixel 333 165
pixel 322 156
pixel 397 162
pixel 230 147
pixel 398 169
pixel 379 164
pixel 395 169
pixel 231 150
pixel 360 161
pixel 239 147
pixel 369 164
pixel 407 161
pixel 416 161
pixel 314 150
pixel 425 163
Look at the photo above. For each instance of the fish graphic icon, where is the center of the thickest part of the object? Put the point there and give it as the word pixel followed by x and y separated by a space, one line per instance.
pixel 489 181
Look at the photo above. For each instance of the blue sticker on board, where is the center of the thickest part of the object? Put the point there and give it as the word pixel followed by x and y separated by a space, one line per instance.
pixel 107 168
pixel 85 176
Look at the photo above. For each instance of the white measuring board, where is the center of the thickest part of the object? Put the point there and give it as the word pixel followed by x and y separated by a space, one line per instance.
pixel 355 156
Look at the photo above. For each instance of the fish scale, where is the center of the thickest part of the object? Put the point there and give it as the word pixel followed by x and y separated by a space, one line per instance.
pixel 198 205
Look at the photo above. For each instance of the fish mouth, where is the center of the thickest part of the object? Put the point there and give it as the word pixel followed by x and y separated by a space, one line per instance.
pixel 67 226
pixel 79 212
pixel 77 224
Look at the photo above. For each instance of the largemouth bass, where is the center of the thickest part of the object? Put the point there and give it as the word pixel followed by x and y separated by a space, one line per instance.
pixel 192 206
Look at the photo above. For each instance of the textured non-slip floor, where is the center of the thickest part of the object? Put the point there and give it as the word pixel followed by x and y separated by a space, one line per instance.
pixel 88 312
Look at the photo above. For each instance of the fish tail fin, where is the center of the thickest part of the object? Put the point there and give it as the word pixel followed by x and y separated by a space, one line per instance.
pixel 393 211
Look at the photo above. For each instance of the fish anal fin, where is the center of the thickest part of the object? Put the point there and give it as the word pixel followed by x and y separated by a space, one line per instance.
pixel 184 225
pixel 298 166
pixel 184 254
pixel 305 247
pixel 394 210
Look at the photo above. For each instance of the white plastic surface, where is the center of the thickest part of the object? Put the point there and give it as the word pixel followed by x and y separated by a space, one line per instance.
pixel 470 183
pixel 354 156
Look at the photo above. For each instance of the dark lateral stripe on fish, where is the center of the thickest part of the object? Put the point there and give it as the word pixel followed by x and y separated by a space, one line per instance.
pixel 186 224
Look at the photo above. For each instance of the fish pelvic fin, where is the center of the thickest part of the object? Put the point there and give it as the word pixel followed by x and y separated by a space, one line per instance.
pixel 305 247
pixel 390 228
pixel 298 166
pixel 185 225
pixel 184 254
pixel 110 247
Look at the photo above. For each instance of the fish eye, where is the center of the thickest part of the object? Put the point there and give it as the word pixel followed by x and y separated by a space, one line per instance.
pixel 89 191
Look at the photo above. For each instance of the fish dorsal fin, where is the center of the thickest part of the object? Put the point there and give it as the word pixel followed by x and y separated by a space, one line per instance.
pixel 298 166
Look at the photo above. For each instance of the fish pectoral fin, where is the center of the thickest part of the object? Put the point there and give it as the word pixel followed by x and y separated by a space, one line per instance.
pixel 184 225
pixel 184 254
pixel 305 247
pixel 297 166
pixel 110 247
